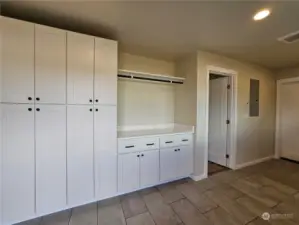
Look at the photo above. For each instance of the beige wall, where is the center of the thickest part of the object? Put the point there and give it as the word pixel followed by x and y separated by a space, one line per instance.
pixel 145 103
pixel 185 94
pixel 287 73
pixel 255 135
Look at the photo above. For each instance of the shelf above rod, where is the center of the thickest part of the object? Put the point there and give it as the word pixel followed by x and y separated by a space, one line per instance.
pixel 126 74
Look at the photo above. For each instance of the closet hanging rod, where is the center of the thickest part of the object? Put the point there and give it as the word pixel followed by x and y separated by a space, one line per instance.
pixel 126 74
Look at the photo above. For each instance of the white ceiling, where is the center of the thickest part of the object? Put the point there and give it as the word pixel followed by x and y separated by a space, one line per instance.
pixel 170 29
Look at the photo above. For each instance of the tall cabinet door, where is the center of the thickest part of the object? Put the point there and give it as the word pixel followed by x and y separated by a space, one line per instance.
pixel 128 172
pixel 50 65
pixel 168 164
pixel 185 161
pixel 80 155
pixel 17 61
pixel 80 68
pixel 50 137
pixel 149 168
pixel 105 141
pixel 18 163
pixel 105 87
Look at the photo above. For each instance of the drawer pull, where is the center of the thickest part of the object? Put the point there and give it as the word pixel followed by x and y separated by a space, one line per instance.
pixel 168 142
pixel 185 140
pixel 130 146
pixel 150 144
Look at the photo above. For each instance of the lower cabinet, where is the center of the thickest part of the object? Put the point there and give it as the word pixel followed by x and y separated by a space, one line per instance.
pixel 137 170
pixel 175 162
pixel 80 155
pixel 18 163
pixel 50 144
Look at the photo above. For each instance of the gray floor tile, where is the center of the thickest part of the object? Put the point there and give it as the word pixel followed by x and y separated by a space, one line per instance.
pixel 189 214
pixel 169 192
pixel 84 215
pixel 110 212
pixel 132 204
pixel 202 203
pixel 31 222
pixel 231 206
pixel 141 219
pixel 219 216
pixel 228 190
pixel 60 218
pixel 206 184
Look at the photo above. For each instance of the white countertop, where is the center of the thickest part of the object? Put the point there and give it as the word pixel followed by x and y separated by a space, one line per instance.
pixel 174 129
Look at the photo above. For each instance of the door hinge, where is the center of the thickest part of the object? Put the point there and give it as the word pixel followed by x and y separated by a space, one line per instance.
pixel 227 121
pixel 228 86
pixel 227 156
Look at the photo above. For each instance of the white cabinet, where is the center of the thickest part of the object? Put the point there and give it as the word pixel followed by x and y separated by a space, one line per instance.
pixel 137 170
pixel 105 147
pixel 17 61
pixel 176 162
pixel 184 161
pixel 80 155
pixel 80 68
pixel 50 137
pixel 50 65
pixel 105 87
pixel 149 168
pixel 168 164
pixel 128 172
pixel 18 163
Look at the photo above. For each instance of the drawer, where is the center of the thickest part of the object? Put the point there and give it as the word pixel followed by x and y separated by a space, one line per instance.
pixel 168 141
pixel 137 144
pixel 185 139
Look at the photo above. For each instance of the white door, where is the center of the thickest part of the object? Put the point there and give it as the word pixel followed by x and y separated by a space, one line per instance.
pixel 289 121
pixel 128 172
pixel 50 65
pixel 217 120
pixel 105 91
pixel 50 144
pixel 184 161
pixel 18 163
pixel 168 164
pixel 80 155
pixel 105 146
pixel 149 168
pixel 80 68
pixel 17 61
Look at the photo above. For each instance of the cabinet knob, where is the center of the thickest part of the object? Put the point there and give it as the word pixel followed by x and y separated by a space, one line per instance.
pixel 138 155
pixel 29 109
pixel 97 109
pixel 29 98
pixel 175 150
pixel 179 149
pixel 37 109
pixel 90 110
pixel 97 100
pixel 90 100
pixel 37 99
pixel 142 155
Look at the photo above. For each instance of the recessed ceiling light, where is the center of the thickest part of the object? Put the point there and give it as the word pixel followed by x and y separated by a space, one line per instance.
pixel 262 14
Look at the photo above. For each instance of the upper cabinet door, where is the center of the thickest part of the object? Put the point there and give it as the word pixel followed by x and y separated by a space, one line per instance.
pixel 80 155
pixel 50 65
pixel 105 91
pixel 17 61
pixel 18 163
pixel 105 147
pixel 80 68
pixel 50 144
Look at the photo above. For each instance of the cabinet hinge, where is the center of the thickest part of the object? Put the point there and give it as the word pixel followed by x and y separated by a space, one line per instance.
pixel 227 156
pixel 227 121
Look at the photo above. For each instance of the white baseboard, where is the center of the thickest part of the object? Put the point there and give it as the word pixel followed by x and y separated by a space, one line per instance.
pixel 197 178
pixel 242 165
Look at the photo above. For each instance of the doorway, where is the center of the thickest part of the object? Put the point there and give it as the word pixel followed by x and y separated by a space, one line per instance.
pixel 219 123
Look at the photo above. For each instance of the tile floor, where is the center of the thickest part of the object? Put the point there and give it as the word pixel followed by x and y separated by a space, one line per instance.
pixel 214 168
pixel 226 198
